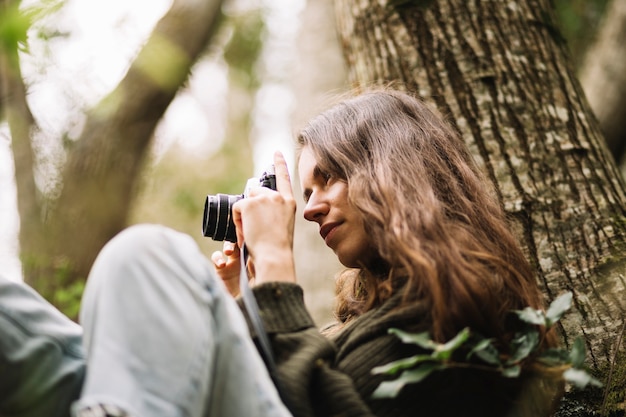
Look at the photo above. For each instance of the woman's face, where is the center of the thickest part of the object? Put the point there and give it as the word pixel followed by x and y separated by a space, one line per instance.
pixel 327 204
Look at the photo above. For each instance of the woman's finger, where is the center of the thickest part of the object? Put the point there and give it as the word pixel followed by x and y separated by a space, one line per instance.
pixel 283 182
pixel 230 249
pixel 218 259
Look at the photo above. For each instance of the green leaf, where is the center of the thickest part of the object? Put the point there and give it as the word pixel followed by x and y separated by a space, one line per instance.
pixel 554 357
pixel 511 371
pixel 522 345
pixel 444 351
pixel 420 339
pixel 15 22
pixel 391 389
pixel 14 25
pixel 406 363
pixel 558 307
pixel 580 378
pixel 577 354
pixel 532 316
pixel 486 352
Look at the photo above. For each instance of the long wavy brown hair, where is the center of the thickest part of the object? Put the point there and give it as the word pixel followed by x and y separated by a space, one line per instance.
pixel 442 236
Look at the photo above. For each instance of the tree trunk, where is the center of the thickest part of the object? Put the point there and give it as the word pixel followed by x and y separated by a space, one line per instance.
pixel 603 77
pixel 499 71
pixel 15 111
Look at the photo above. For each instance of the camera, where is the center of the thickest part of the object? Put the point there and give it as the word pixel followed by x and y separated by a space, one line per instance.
pixel 217 221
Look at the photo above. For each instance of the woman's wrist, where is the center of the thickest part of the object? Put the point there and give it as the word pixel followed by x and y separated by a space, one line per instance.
pixel 275 265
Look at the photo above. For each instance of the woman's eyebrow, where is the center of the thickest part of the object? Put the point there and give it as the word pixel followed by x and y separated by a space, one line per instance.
pixel 317 172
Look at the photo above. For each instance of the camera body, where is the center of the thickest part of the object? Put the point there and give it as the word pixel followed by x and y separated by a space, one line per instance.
pixel 217 222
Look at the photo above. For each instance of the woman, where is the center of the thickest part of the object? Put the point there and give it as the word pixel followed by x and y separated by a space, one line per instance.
pixel 396 197
pixel 399 200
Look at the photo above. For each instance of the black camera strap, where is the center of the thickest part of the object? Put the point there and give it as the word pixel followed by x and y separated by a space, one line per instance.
pixel 252 308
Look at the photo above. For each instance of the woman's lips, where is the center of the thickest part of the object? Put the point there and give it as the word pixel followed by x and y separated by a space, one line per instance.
pixel 327 231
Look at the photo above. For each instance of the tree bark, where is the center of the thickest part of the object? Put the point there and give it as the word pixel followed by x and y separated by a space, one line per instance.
pixel 499 71
pixel 102 168
pixel 603 77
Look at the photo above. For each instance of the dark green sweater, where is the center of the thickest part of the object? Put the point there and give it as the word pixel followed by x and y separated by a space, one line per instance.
pixel 332 376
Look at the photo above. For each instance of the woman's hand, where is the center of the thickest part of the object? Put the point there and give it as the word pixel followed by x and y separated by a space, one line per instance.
pixel 265 222
pixel 227 263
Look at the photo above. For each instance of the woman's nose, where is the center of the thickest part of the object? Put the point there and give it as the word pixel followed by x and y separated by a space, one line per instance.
pixel 315 208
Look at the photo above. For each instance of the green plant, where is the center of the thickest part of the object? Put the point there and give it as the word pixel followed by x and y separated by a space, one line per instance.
pixel 482 354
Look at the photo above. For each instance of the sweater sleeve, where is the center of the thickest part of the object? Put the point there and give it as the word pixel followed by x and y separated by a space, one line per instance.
pixel 282 307
pixel 309 384
pixel 332 377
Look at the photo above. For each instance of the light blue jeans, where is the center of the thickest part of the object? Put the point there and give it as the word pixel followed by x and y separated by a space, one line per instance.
pixel 42 365
pixel 162 336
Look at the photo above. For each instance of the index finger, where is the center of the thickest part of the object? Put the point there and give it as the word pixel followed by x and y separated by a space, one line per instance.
pixel 283 182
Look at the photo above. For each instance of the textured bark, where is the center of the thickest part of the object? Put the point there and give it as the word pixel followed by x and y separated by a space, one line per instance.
pixel 603 77
pixel 102 168
pixel 499 71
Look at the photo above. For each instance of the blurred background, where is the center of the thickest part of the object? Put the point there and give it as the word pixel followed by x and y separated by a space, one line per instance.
pixel 270 65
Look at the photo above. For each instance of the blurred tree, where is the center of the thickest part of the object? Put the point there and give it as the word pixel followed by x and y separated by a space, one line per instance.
pixel 501 73
pixel 173 190
pixel 319 74
pixel 603 77
pixel 59 239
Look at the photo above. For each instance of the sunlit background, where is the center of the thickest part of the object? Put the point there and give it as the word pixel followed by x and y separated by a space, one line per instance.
pixel 90 53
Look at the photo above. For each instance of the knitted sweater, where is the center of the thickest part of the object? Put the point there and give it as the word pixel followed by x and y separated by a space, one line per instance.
pixel 327 377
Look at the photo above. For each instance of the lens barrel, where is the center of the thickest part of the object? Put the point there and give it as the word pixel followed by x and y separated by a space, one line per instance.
pixel 218 210
pixel 218 222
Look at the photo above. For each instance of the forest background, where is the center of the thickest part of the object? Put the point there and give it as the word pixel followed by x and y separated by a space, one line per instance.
pixel 258 70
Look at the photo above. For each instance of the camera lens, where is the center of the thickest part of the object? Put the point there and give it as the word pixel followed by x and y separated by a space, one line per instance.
pixel 218 217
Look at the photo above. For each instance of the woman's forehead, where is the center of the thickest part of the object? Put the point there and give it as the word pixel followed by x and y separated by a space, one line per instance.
pixel 307 162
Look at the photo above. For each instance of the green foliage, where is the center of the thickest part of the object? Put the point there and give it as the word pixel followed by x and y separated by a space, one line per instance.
pixel 67 298
pixel 67 293
pixel 15 22
pixel 524 346
pixel 58 287
pixel 243 49
pixel 617 379
pixel 578 23
pixel 14 25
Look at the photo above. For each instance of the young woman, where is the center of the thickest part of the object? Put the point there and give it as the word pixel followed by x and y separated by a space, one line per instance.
pixel 398 199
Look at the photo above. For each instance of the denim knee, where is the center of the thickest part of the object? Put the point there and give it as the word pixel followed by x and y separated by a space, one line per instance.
pixel 144 251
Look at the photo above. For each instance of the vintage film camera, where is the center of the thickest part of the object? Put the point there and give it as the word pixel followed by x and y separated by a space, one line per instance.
pixel 217 221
